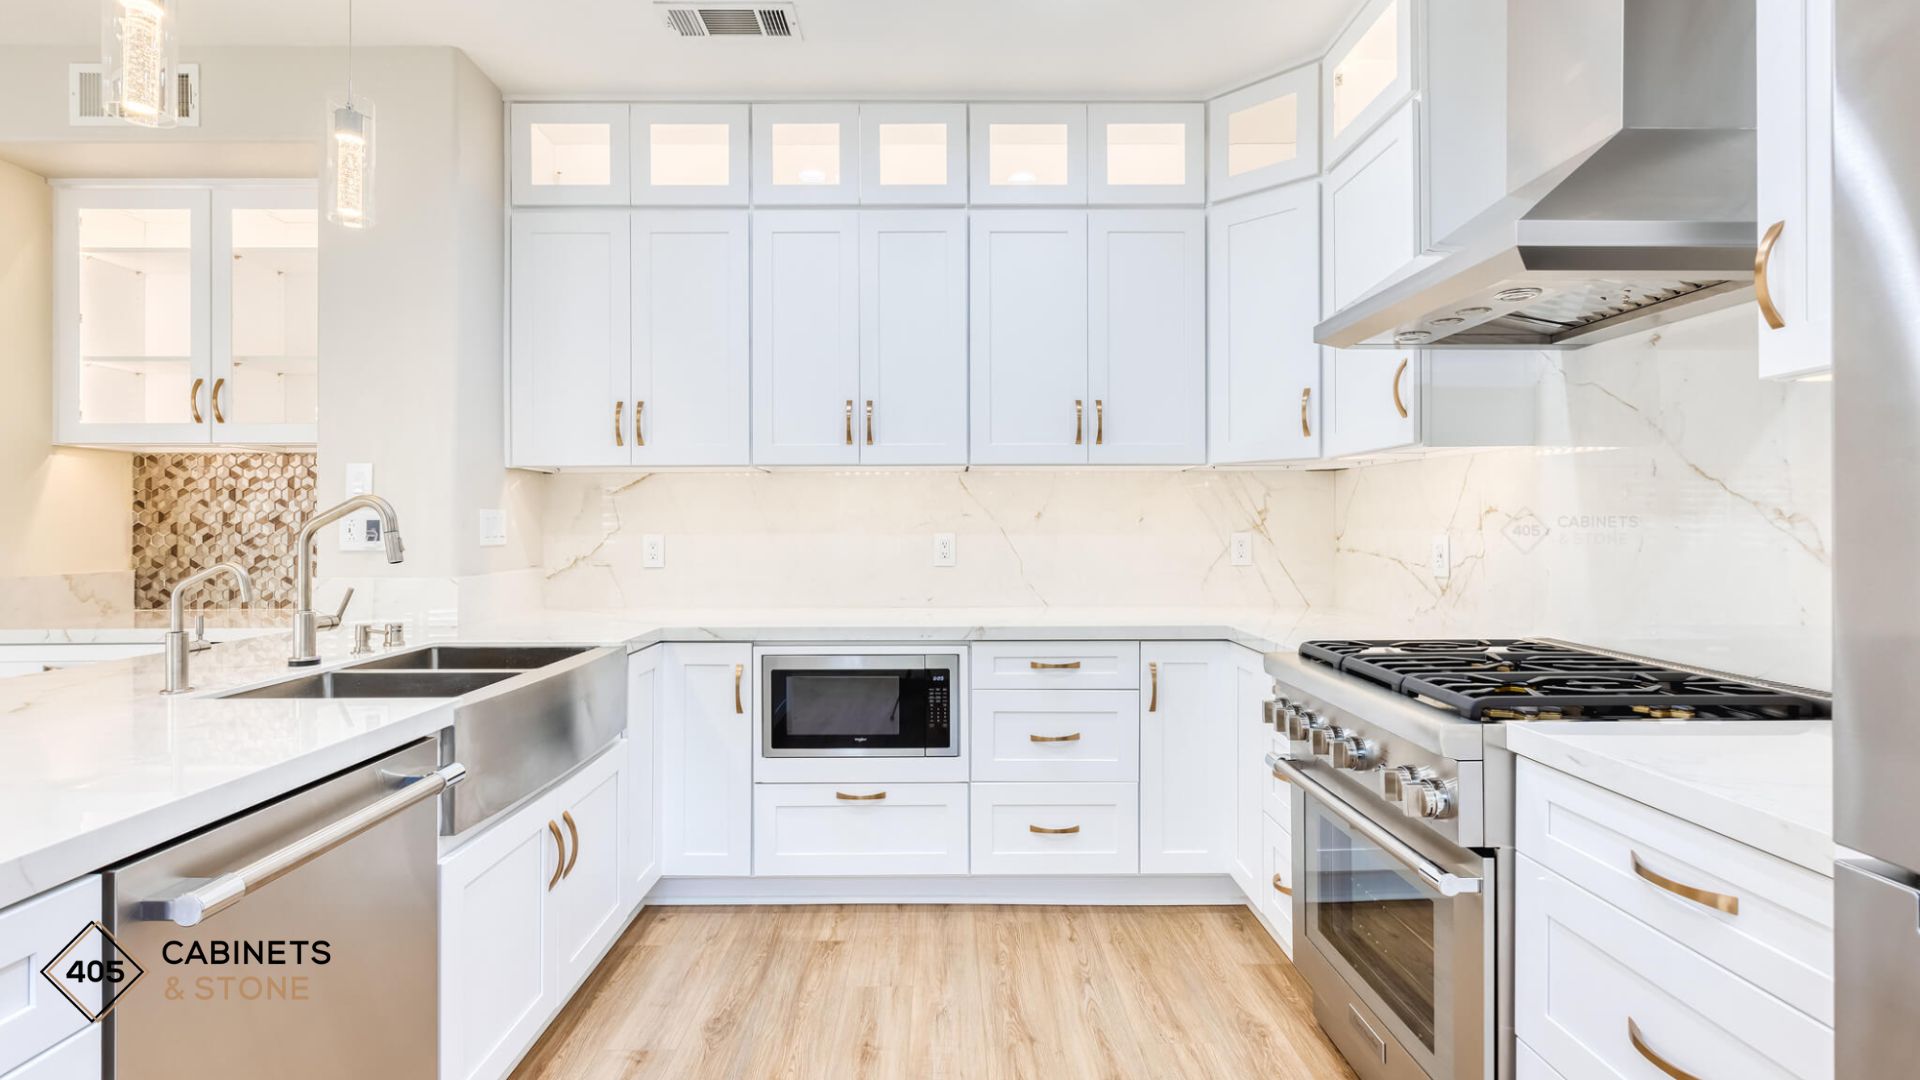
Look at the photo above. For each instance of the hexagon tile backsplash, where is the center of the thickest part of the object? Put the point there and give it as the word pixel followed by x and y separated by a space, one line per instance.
pixel 193 510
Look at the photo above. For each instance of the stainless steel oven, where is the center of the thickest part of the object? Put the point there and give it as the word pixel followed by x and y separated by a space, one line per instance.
pixel 835 703
pixel 1394 933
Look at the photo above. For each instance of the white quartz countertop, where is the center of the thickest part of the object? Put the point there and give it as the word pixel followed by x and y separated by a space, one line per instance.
pixel 1767 784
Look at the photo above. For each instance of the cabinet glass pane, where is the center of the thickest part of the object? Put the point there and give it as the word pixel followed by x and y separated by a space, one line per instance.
pixel 1262 135
pixel 806 154
pixel 275 332
pixel 570 155
pixel 1027 155
pixel 1367 69
pixel 688 155
pixel 913 155
pixel 1146 154
pixel 136 316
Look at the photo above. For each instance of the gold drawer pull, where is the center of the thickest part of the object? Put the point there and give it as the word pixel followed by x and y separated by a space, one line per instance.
pixel 193 400
pixel 1079 419
pixel 1762 259
pixel 1099 422
pixel 1279 888
pixel 1714 900
pixel 1075 737
pixel 738 706
pixel 1044 831
pixel 574 832
pixel 1153 679
pixel 849 421
pixel 1039 665
pixel 639 420
pixel 1658 1062
pixel 1399 405
pixel 869 421
pixel 560 857
pixel 1306 398
pixel 218 416
pixel 619 433
pixel 875 797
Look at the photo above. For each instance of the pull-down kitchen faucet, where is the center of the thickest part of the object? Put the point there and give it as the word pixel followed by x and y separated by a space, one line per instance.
pixel 307 623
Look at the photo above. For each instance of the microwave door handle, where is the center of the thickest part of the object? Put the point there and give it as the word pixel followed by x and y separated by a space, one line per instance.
pixel 1443 882
pixel 193 908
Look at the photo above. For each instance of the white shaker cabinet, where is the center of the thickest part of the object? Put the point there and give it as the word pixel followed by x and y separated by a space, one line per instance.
pixel 707 739
pixel 1368 72
pixel 1264 299
pixel 1187 756
pixel 1264 135
pixel 806 155
pixel 1028 338
pixel 1146 154
pixel 1794 284
pixel 587 909
pixel 690 155
pixel 806 337
pixel 690 356
pixel 1371 211
pixel 1373 400
pixel 1028 155
pixel 913 155
pixel 1146 314
pixel 1397 400
pixel 570 154
pixel 640 862
pixel 912 408
pixel 571 326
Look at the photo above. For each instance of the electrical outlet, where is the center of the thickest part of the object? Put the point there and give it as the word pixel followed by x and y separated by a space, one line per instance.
pixel 359 531
pixel 1442 561
pixel 653 551
pixel 943 549
pixel 493 528
pixel 1240 550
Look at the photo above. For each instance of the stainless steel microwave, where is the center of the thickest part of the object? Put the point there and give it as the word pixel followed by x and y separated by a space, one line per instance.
pixel 853 704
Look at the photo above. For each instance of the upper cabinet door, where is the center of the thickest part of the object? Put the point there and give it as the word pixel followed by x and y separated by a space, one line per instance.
pixel 571 370
pixel 1795 132
pixel 806 155
pixel 690 155
pixel 1029 338
pixel 913 337
pixel 913 155
pixel 1028 155
pixel 1146 312
pixel 1367 75
pixel 690 359
pixel 1145 154
pixel 570 155
pixel 806 336
pixel 1371 216
pixel 132 341
pixel 1265 135
pixel 266 314
pixel 1264 301
pixel 1375 399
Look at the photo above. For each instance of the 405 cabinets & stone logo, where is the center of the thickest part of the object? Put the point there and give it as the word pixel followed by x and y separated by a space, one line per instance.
pixel 94 972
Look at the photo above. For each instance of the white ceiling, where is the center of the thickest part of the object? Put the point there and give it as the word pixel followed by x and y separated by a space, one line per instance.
pixel 868 48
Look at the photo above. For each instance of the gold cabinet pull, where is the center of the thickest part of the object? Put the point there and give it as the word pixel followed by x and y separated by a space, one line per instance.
pixel 1153 685
pixel 560 857
pixel 639 419
pixel 193 400
pixel 1042 665
pixel 1306 398
pixel 875 797
pixel 619 433
pixel 1075 737
pixel 1099 422
pixel 1714 900
pixel 1399 405
pixel 1762 259
pixel 1279 888
pixel 1044 831
pixel 1079 420
pixel 1658 1062
pixel 738 706
pixel 1280 776
pixel 574 832
pixel 849 421
pixel 869 421
pixel 218 416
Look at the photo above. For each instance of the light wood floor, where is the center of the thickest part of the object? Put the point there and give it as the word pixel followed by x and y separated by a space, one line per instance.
pixel 919 991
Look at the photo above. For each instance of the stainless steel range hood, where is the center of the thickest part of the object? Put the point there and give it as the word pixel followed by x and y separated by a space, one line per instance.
pixel 1651 224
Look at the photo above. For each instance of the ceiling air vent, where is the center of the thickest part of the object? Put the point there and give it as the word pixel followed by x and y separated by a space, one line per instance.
pixel 86 106
pixel 732 20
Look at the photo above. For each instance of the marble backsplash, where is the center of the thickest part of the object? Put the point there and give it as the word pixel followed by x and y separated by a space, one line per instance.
pixel 99 599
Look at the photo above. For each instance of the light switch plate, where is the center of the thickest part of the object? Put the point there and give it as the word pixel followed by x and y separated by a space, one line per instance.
pixel 653 551
pixel 1240 550
pixel 1441 562
pixel 943 549
pixel 493 528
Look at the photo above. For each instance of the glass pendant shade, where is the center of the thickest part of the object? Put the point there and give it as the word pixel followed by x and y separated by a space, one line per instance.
pixel 348 183
pixel 141 60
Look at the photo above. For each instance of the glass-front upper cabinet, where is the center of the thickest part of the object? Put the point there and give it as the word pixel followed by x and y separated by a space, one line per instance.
pixel 913 155
pixel 266 315
pixel 806 155
pixel 1145 154
pixel 1028 155
pixel 570 155
pixel 690 155
pixel 1264 135
pixel 1368 73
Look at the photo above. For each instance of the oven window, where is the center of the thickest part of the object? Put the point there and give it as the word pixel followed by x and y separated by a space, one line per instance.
pixel 1367 908
pixel 840 704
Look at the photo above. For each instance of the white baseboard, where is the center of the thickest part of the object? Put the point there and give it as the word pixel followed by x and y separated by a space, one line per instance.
pixel 1113 890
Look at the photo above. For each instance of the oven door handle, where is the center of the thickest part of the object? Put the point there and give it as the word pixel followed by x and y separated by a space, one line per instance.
pixel 1443 882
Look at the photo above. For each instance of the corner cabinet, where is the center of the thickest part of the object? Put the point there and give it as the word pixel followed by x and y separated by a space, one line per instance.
pixel 1794 282
pixel 1367 74
pixel 1263 300
pixel 1371 213
pixel 1397 401
pixel 1264 135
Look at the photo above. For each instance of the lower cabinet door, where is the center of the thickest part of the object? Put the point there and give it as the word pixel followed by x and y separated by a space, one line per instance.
pixel 1056 828
pixel 585 910
pixel 838 829
pixel 1529 1065
pixel 1277 873
pixel 1598 993
pixel 76 1059
pixel 495 980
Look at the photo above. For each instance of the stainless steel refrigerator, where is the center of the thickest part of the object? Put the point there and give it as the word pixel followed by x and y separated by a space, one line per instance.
pixel 1877 536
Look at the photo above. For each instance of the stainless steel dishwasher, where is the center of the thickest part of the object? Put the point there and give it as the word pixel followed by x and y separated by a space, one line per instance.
pixel 297 940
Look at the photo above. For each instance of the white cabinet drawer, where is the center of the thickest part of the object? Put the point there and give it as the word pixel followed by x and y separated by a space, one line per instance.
pixel 1056 735
pixel 1056 828
pixel 1780 935
pixel 1599 993
pixel 1529 1065
pixel 1062 665
pixel 810 829
pixel 34 1015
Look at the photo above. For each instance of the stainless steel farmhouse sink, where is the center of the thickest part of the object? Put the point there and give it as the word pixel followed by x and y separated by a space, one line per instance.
pixel 351 683
pixel 472 658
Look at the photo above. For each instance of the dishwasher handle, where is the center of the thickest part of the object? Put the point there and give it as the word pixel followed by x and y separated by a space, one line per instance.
pixel 195 907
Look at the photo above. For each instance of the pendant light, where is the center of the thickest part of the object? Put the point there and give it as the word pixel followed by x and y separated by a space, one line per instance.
pixel 140 60
pixel 349 176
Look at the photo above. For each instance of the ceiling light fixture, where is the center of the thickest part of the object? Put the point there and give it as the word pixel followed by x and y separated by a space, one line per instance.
pixel 141 61
pixel 349 176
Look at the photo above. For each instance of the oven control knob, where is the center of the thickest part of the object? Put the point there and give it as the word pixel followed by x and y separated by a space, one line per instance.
pixel 1394 782
pixel 1428 799
pixel 1300 723
pixel 1356 754
pixel 1323 736
pixel 1270 712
